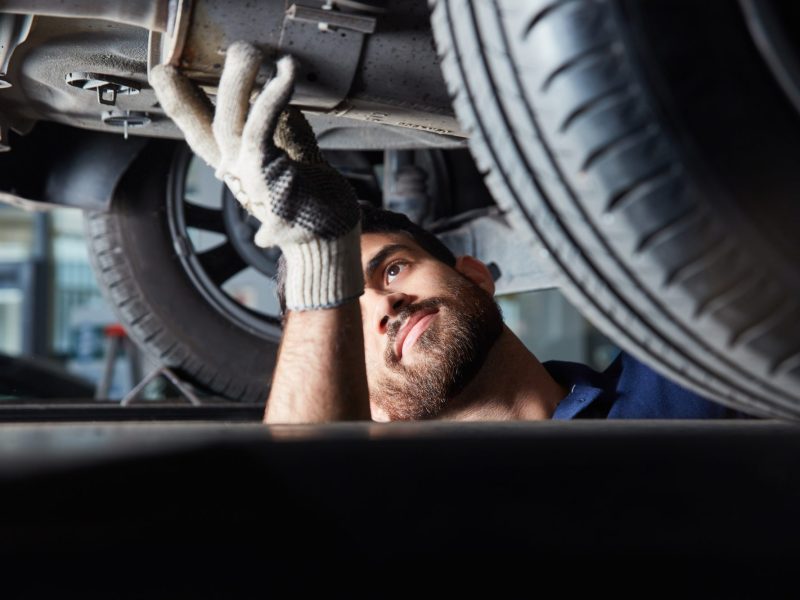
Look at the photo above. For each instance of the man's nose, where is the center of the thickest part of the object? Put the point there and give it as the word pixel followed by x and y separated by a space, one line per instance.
pixel 389 306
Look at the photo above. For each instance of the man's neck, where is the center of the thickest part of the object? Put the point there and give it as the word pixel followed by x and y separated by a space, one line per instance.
pixel 511 385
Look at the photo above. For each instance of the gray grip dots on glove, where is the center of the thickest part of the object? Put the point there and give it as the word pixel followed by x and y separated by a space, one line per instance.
pixel 298 198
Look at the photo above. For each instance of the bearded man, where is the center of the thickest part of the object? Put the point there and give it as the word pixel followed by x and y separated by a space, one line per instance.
pixel 381 320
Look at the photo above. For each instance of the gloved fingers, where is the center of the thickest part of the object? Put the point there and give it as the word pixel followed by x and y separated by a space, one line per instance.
pixel 294 136
pixel 190 109
pixel 264 237
pixel 263 119
pixel 242 62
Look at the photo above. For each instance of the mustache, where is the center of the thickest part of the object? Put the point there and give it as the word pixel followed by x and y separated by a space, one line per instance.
pixel 394 327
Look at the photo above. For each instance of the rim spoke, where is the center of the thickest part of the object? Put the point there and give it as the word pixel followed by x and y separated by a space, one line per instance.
pixel 221 263
pixel 202 217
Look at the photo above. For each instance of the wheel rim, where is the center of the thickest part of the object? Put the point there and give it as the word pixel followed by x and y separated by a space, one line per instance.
pixel 212 267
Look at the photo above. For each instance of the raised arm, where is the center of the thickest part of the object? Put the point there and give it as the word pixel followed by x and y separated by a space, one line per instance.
pixel 268 157
pixel 320 375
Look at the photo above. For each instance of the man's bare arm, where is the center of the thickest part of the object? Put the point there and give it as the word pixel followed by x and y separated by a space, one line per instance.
pixel 320 375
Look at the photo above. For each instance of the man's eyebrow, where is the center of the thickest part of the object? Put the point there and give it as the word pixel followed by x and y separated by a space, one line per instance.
pixel 381 256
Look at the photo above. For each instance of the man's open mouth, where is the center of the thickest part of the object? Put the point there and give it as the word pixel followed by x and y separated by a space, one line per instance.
pixel 413 328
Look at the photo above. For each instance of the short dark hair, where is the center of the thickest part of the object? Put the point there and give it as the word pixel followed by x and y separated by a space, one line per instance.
pixel 380 220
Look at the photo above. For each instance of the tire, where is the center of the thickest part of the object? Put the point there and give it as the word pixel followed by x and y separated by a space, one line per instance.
pixel 605 126
pixel 159 299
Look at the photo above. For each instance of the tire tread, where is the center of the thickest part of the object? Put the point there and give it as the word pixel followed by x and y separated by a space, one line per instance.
pixel 601 281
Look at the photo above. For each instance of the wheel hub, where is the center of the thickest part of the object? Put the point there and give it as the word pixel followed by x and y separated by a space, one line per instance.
pixel 241 228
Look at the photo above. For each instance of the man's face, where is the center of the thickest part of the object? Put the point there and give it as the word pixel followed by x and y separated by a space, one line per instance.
pixel 427 327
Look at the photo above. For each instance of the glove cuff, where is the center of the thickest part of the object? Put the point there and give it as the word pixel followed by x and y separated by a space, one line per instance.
pixel 324 273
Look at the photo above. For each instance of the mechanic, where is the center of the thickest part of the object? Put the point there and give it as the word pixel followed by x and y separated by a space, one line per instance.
pixel 381 320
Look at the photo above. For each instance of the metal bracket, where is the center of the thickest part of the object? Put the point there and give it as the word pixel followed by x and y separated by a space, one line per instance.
pixel 327 19
pixel 328 44
pixel 118 340
pixel 126 119
pixel 107 86
pixel 174 379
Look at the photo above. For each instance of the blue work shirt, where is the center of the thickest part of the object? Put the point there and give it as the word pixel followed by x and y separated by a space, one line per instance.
pixel 628 389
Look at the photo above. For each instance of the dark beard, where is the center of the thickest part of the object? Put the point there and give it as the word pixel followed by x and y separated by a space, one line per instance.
pixel 454 348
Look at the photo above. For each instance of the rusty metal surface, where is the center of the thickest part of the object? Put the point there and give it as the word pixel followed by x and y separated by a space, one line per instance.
pixel 400 62
pixel 215 24
pixel 389 77
pixel 372 91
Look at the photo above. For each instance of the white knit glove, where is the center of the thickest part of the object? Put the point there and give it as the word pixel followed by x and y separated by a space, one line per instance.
pixel 271 163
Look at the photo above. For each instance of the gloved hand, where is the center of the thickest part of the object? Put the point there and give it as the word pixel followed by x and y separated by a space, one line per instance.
pixel 271 163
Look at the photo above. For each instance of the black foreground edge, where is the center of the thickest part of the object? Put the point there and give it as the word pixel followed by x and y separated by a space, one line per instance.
pixel 240 510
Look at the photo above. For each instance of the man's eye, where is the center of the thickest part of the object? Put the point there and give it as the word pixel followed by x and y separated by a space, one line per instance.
pixel 394 270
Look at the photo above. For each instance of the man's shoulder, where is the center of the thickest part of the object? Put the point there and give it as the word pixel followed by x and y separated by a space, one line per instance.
pixel 642 392
pixel 629 389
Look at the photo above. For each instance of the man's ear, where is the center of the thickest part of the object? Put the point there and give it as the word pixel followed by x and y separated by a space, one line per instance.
pixel 477 272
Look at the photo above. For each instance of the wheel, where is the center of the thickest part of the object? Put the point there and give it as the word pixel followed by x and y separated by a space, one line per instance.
pixel 653 153
pixel 166 259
